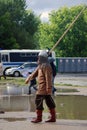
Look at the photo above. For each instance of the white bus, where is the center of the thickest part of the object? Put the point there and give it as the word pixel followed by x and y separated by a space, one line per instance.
pixel 16 57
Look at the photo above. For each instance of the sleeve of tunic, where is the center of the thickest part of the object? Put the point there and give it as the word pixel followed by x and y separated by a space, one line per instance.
pixel 48 78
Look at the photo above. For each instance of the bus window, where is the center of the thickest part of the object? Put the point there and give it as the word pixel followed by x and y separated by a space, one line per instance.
pixel 22 54
pixel 4 58
pixel 14 57
pixel 34 54
pixel 28 54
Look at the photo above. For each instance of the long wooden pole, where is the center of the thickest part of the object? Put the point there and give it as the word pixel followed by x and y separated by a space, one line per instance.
pixel 67 29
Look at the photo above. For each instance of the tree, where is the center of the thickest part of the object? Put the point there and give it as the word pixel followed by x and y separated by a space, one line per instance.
pixel 7 39
pixel 30 23
pixel 17 25
pixel 75 41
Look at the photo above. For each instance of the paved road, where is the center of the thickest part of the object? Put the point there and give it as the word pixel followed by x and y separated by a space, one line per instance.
pixel 21 121
pixel 72 79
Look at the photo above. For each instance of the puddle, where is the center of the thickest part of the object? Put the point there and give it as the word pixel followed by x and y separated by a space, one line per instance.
pixel 17 103
pixel 67 107
pixel 65 90
pixel 15 90
pixel 13 119
pixel 71 107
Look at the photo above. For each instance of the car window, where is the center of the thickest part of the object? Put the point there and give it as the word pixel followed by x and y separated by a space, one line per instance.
pixel 26 65
pixel 33 65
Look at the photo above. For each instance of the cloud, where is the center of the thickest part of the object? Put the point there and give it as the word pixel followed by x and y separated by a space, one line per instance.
pixel 45 6
pixel 44 16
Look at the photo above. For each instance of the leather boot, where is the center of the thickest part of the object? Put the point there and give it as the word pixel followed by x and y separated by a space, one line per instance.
pixel 38 118
pixel 53 116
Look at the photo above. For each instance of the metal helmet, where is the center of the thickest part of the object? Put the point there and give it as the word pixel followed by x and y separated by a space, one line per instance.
pixel 43 53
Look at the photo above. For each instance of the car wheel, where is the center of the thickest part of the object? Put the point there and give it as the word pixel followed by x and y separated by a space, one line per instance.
pixel 16 74
pixel 4 72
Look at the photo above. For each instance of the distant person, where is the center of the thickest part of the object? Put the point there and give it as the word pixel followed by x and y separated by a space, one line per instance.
pixel 1 71
pixel 33 84
pixel 44 75
pixel 51 61
pixel 1 74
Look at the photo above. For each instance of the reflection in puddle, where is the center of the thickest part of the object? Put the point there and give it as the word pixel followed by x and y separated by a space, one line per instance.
pixel 67 107
pixel 13 119
pixel 18 103
pixel 71 107
pixel 15 90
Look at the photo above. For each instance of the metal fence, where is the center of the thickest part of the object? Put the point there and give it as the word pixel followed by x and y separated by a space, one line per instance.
pixel 71 65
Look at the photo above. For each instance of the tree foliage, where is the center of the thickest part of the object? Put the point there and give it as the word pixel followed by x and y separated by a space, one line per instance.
pixel 17 25
pixel 75 41
pixel 21 28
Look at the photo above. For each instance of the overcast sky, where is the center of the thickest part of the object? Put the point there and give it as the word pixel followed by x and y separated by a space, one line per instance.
pixel 45 6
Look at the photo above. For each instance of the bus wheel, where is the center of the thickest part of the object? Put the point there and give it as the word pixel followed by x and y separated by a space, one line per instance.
pixel 16 74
